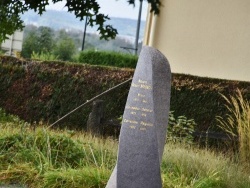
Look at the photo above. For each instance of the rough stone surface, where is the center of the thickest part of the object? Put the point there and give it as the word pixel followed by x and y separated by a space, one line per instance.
pixel 144 125
pixel 95 118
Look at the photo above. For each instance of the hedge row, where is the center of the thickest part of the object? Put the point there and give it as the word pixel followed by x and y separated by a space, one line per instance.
pixel 48 90
pixel 201 98
pixel 108 59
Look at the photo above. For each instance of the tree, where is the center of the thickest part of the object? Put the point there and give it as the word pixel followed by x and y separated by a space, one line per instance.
pixel 39 40
pixel 45 39
pixel 10 11
pixel 65 47
pixel 30 44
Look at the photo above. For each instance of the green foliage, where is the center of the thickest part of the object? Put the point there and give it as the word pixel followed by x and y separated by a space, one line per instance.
pixel 38 41
pixel 44 56
pixel 10 12
pixel 65 47
pixel 237 124
pixel 49 90
pixel 52 158
pixel 10 20
pixel 46 90
pixel 92 42
pixel 88 177
pixel 30 45
pixel 200 98
pixel 187 166
pixel 155 5
pixel 4 117
pixel 180 129
pixel 64 44
pixel 108 59
pixel 56 151
pixel 45 39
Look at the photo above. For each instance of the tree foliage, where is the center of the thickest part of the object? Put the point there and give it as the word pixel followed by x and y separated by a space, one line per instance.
pixel 65 44
pixel 65 47
pixel 11 10
pixel 30 44
pixel 38 41
pixel 45 41
pixel 155 5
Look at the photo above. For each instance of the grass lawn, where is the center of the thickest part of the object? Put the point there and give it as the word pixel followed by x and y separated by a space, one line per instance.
pixel 56 158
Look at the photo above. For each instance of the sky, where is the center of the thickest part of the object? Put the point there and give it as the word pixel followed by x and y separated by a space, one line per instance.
pixel 114 8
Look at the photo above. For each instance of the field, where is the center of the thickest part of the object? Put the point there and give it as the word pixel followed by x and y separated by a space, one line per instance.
pixel 34 156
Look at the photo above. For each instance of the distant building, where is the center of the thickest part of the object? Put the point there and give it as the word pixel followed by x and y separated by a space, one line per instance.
pixel 204 38
pixel 13 44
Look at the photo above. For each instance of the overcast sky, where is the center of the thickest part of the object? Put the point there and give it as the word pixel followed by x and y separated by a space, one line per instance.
pixel 114 8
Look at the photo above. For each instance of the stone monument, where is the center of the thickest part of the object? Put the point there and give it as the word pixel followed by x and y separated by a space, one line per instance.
pixel 144 126
pixel 94 123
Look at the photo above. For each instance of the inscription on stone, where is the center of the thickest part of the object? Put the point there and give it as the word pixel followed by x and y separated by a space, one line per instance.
pixel 144 124
pixel 139 109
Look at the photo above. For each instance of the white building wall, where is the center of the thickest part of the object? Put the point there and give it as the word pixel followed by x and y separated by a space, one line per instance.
pixel 13 44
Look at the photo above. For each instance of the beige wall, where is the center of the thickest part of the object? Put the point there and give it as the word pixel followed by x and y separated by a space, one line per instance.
pixel 203 37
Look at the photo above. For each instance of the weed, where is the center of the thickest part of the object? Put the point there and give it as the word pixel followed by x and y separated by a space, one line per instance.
pixel 180 129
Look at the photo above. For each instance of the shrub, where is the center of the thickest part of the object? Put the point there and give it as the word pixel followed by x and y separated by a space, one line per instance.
pixel 199 98
pixel 65 49
pixel 180 129
pixel 44 56
pixel 48 90
pixel 108 59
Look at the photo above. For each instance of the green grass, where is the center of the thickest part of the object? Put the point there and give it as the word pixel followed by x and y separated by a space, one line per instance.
pixel 63 158
pixel 185 166
pixel 237 124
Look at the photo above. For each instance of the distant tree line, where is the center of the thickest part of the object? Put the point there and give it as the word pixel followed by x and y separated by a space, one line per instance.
pixel 11 10
pixel 66 44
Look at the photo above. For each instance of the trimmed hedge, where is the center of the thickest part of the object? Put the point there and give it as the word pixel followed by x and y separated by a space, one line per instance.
pixel 108 59
pixel 48 90
pixel 199 98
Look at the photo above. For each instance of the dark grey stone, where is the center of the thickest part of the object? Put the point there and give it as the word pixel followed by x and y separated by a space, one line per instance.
pixel 144 125
pixel 94 123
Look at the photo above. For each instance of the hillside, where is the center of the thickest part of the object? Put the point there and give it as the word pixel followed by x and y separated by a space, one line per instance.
pixel 62 19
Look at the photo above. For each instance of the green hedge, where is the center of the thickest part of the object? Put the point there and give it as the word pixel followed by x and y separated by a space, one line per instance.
pixel 49 90
pixel 199 98
pixel 108 59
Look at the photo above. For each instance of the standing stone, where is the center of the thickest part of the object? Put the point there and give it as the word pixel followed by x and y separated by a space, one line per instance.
pixel 144 125
pixel 94 123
